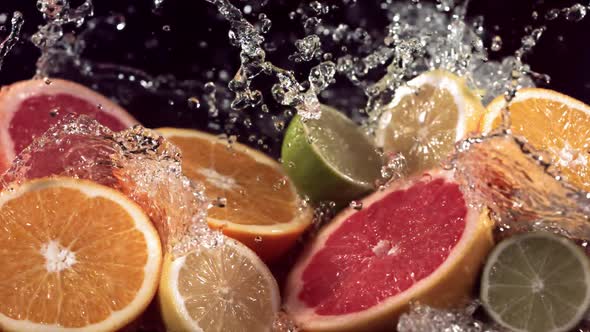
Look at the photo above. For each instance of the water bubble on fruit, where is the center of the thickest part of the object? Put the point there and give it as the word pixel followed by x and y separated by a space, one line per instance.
pixel 357 205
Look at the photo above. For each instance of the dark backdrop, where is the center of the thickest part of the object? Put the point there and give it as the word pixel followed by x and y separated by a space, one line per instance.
pixel 563 52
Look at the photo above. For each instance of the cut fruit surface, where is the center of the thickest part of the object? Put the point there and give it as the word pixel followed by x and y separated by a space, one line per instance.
pixel 75 256
pixel 536 282
pixel 552 122
pixel 29 108
pixel 416 241
pixel 224 288
pixel 259 205
pixel 426 117
pixel 330 159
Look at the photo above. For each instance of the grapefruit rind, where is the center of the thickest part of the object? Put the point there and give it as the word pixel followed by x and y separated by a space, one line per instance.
pixel 276 238
pixel 172 307
pixel 448 286
pixel 148 288
pixel 13 95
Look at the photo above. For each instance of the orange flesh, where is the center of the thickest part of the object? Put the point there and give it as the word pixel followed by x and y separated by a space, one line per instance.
pixel 110 256
pixel 562 131
pixel 256 193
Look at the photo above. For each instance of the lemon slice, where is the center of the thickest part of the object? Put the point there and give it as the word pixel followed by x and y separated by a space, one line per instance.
pixel 224 288
pixel 427 117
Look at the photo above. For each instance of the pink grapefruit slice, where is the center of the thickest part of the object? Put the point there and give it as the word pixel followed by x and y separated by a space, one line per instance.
pixel 29 108
pixel 418 240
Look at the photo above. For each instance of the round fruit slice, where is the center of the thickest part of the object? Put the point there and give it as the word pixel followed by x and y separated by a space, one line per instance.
pixel 224 288
pixel 426 117
pixel 418 240
pixel 536 282
pixel 75 256
pixel 552 122
pixel 29 108
pixel 258 205
pixel 330 159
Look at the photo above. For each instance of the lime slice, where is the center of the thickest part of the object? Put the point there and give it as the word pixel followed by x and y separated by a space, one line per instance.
pixel 536 282
pixel 426 117
pixel 330 159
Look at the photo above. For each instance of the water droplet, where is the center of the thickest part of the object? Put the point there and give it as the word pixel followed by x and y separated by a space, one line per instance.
pixel 166 28
pixel 496 43
pixel 54 112
pixel 258 239
pixel 552 14
pixel 194 103
pixel 357 205
pixel 220 202
pixel 575 13
pixel 210 87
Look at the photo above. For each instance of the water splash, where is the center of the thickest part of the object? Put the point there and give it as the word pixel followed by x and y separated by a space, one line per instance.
pixel 288 91
pixel 54 43
pixel 16 22
pixel 423 318
pixel 138 162
pixel 521 187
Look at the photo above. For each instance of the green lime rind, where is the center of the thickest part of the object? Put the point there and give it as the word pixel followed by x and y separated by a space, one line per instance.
pixel 536 282
pixel 338 167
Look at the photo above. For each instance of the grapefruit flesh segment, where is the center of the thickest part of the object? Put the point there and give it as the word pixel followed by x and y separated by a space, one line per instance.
pixel 29 108
pixel 36 114
pixel 384 249
pixel 418 240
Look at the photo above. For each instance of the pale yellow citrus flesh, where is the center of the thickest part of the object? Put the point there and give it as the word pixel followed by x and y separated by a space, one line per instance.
pixel 225 288
pixel 427 117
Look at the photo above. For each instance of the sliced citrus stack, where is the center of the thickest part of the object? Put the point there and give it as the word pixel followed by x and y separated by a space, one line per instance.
pixel 75 256
pixel 29 108
pixel 224 288
pixel 262 209
pixel 537 282
pixel 330 158
pixel 418 240
pixel 552 122
pixel 426 117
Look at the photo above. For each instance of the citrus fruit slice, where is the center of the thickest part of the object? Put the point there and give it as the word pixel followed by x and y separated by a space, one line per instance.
pixel 426 117
pixel 418 240
pixel 75 256
pixel 262 209
pixel 536 282
pixel 29 108
pixel 224 288
pixel 552 122
pixel 330 159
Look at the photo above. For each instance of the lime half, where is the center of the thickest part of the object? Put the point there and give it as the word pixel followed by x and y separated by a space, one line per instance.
pixel 330 159
pixel 536 282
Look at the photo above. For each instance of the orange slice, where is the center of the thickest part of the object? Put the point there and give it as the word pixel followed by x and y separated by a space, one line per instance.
pixel 552 122
pixel 75 256
pixel 262 209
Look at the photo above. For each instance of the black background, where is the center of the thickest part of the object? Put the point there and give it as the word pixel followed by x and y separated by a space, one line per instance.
pixel 563 52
